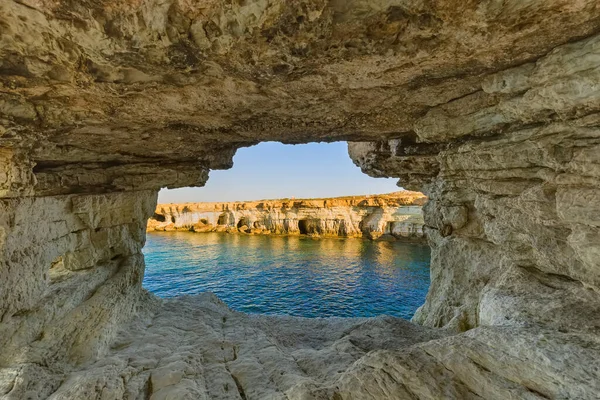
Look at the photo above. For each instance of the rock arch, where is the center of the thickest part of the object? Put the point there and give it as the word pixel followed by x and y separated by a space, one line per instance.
pixel 490 109
pixel 244 221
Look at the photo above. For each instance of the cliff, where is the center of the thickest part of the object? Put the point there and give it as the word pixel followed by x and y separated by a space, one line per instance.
pixel 490 108
pixel 396 214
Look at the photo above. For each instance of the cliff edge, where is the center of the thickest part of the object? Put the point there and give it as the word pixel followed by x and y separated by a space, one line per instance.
pixel 397 214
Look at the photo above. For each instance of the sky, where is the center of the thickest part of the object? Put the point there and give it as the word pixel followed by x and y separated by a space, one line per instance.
pixel 273 170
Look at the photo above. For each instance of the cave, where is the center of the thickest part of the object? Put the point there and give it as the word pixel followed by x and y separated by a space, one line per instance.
pixel 243 222
pixel 389 227
pixel 159 217
pixel 223 219
pixel 303 226
pixel 489 108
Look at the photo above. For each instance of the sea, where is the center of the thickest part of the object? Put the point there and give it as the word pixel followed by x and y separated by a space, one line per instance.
pixel 291 275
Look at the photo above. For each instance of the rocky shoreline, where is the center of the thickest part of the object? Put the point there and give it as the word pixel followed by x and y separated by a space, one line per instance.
pixel 390 216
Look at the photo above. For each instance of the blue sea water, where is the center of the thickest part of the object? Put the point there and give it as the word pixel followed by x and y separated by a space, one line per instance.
pixel 291 275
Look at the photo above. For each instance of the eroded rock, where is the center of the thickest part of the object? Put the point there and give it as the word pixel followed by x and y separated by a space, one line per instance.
pixel 490 108
pixel 396 214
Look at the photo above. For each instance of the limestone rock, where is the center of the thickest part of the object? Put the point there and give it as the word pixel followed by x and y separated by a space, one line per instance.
pixel 396 214
pixel 491 108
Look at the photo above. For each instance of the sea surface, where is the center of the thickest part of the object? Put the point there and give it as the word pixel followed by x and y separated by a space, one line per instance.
pixel 291 275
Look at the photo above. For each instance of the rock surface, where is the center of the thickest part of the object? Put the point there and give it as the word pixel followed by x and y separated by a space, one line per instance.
pixel 396 215
pixel 196 348
pixel 491 108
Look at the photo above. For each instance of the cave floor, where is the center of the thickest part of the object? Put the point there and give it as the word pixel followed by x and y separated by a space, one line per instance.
pixel 195 347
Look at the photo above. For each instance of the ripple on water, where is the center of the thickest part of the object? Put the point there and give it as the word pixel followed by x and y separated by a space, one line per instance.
pixel 291 275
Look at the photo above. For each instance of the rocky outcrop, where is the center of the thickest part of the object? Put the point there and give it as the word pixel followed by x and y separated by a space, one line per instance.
pixel 396 215
pixel 71 271
pixel 490 108
pixel 523 194
pixel 195 347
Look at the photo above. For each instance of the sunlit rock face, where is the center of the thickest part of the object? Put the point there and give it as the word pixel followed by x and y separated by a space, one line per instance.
pixel 491 108
pixel 71 271
pixel 396 215
pixel 515 205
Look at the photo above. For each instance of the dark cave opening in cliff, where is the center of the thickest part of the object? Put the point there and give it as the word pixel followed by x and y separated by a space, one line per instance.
pixel 303 226
pixel 222 220
pixel 243 222
pixel 159 217
pixel 291 234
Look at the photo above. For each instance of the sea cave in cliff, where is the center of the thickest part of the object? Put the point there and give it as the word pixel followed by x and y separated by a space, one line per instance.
pixel 491 109
pixel 303 226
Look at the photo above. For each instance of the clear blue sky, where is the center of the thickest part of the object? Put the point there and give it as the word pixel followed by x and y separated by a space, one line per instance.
pixel 273 170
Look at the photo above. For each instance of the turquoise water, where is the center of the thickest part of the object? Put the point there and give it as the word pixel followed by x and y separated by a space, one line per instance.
pixel 291 275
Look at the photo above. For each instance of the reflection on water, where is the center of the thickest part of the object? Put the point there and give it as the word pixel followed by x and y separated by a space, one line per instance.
pixel 291 275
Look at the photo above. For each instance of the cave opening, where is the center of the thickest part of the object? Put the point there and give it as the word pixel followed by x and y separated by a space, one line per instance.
pixel 297 228
pixel 222 219
pixel 491 107
pixel 243 222
pixel 159 217
pixel 389 227
pixel 303 226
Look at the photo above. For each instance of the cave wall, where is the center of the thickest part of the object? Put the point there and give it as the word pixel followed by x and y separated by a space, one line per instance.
pixel 489 107
pixel 71 271
pixel 513 211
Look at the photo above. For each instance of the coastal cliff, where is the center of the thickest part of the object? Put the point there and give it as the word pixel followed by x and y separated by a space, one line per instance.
pixel 396 215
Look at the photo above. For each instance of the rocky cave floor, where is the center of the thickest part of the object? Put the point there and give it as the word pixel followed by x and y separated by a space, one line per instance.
pixel 195 347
